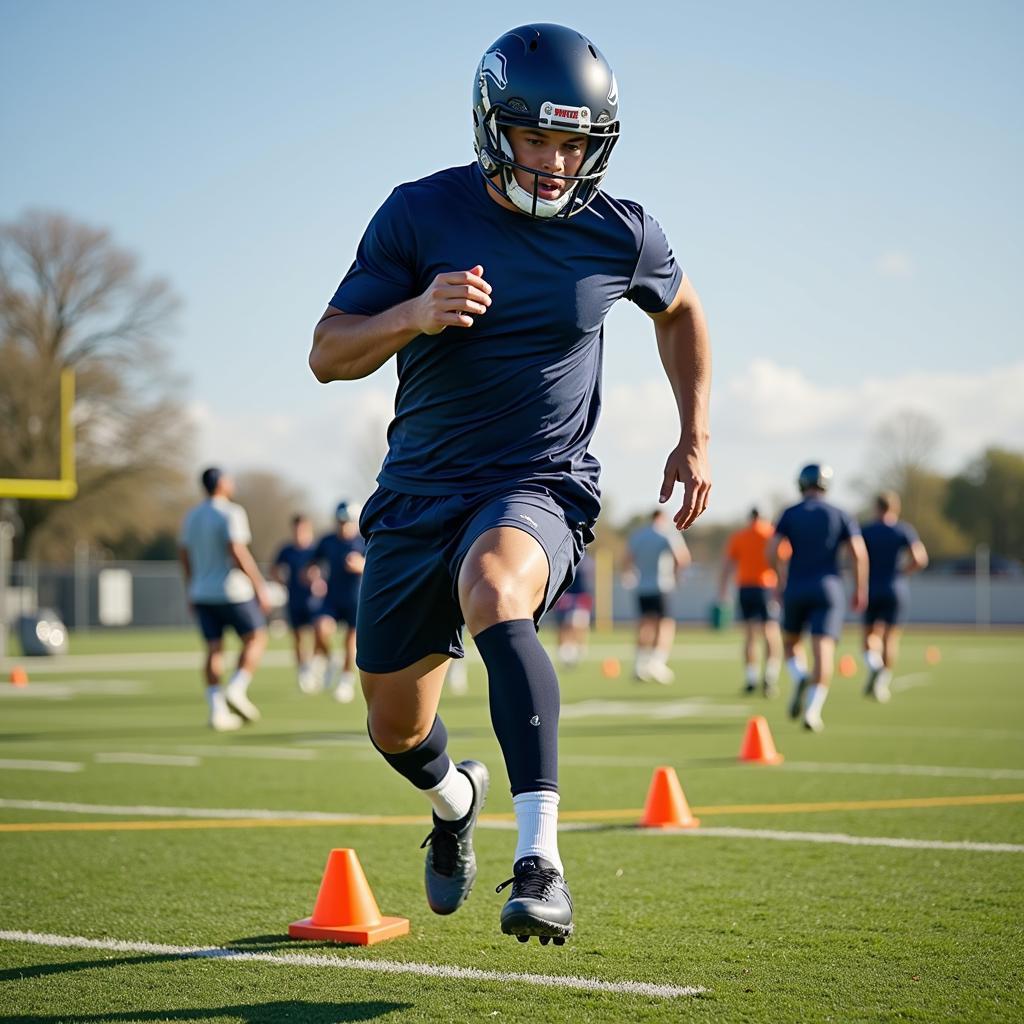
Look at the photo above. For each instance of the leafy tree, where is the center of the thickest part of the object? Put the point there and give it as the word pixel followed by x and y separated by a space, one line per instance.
pixel 986 501
pixel 70 297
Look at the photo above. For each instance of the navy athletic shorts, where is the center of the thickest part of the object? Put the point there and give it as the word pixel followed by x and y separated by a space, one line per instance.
pixel 569 604
pixel 818 604
pixel 415 544
pixel 652 604
pixel 301 613
pixel 756 605
pixel 244 618
pixel 341 609
pixel 888 606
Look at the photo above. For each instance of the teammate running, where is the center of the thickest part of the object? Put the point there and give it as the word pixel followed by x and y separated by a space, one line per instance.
pixel 225 589
pixel 341 552
pixel 573 612
pixel 814 597
pixel 655 555
pixel 291 568
pixel 886 538
pixel 746 556
pixel 491 283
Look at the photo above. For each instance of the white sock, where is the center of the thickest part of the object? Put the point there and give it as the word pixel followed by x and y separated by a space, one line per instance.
pixel 659 657
pixel 873 660
pixel 643 658
pixel 452 797
pixel 816 697
pixel 240 681
pixel 319 665
pixel 751 675
pixel 797 670
pixel 771 671
pixel 215 698
pixel 537 820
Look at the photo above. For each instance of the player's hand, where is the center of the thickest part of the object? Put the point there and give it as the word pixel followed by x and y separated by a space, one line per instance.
pixel 452 300
pixel 859 600
pixel 688 465
pixel 263 600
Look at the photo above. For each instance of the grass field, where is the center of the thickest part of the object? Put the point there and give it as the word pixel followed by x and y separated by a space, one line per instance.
pixel 876 875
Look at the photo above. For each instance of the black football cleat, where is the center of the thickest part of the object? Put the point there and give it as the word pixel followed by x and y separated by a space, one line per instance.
pixel 539 904
pixel 451 862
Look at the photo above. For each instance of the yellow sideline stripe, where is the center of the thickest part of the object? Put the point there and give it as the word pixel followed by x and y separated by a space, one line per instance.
pixel 625 814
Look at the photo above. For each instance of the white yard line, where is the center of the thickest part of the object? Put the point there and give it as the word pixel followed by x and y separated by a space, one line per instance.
pixel 840 838
pixel 444 972
pixel 930 770
pixel 909 681
pixel 148 811
pixel 40 766
pixel 168 760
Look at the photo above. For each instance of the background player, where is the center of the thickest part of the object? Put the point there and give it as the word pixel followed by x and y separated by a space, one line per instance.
pixel 655 556
pixel 342 553
pixel 573 612
pixel 292 568
pixel 225 589
pixel 488 494
pixel 814 597
pixel 886 538
pixel 746 554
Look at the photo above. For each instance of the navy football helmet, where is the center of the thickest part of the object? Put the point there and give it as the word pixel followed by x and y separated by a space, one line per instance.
pixel 815 475
pixel 553 78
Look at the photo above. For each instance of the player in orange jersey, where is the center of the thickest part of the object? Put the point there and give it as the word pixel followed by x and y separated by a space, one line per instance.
pixel 746 556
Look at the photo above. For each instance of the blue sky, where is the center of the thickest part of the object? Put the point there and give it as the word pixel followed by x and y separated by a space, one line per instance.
pixel 841 183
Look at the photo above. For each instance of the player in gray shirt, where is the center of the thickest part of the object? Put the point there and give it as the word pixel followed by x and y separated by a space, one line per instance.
pixel 225 589
pixel 655 556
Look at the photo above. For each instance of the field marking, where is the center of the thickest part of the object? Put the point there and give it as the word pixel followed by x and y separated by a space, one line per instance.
pixel 841 838
pixel 16 764
pixel 208 817
pixel 666 709
pixel 168 760
pixel 929 770
pixel 909 681
pixel 444 972
pixel 254 753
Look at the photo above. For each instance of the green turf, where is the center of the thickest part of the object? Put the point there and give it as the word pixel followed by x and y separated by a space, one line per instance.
pixel 776 931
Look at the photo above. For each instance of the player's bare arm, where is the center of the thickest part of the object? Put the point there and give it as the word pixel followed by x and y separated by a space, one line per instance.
pixel 244 560
pixel 859 552
pixel 685 351
pixel 917 559
pixel 347 346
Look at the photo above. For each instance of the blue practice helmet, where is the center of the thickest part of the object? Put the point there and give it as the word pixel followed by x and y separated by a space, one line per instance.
pixel 347 511
pixel 815 474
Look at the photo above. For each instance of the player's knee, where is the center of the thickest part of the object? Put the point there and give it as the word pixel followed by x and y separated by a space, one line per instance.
pixel 393 734
pixel 489 600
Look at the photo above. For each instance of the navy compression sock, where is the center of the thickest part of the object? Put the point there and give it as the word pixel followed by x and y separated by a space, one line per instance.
pixel 524 699
pixel 425 765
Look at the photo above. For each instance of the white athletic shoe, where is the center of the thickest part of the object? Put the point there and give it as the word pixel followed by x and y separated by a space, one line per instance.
pixel 813 722
pixel 881 688
pixel 345 689
pixel 659 672
pixel 238 702
pixel 225 721
pixel 309 682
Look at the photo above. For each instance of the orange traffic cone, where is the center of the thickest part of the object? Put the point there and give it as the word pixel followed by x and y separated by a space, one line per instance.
pixel 758 746
pixel 666 805
pixel 345 909
pixel 19 677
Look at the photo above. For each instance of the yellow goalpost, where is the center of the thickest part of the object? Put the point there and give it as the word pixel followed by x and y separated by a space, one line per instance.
pixel 66 486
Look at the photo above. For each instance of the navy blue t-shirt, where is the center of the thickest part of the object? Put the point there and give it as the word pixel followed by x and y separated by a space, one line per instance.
pixel 332 550
pixel 884 544
pixel 517 395
pixel 815 530
pixel 296 560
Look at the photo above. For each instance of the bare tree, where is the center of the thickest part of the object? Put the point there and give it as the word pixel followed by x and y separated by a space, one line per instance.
pixel 69 297
pixel 270 502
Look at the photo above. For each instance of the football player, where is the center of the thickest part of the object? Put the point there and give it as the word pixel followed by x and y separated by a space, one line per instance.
pixel 886 540
pixel 291 568
pixel 814 597
pixel 490 283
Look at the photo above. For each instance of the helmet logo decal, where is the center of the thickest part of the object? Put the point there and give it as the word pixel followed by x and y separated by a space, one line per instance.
pixel 552 114
pixel 494 64
pixel 613 92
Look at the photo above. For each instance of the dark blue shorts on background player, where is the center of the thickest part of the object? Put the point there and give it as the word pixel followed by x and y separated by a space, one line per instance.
pixel 333 551
pixel 818 605
pixel 756 604
pixel 888 605
pixel 244 618
pixel 301 602
pixel 415 546
pixel 887 589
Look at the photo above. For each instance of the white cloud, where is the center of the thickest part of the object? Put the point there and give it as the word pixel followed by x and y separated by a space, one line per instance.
pixel 895 263
pixel 766 423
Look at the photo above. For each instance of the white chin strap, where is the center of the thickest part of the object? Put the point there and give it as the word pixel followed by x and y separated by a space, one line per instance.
pixel 524 200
